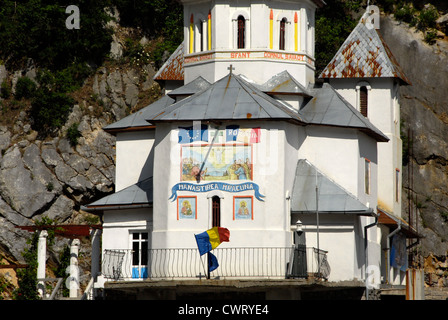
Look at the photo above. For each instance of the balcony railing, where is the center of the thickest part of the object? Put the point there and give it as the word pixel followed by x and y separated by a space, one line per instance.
pixel 236 263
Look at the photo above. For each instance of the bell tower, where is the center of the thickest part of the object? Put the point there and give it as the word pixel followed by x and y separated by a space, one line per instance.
pixel 259 38
pixel 365 72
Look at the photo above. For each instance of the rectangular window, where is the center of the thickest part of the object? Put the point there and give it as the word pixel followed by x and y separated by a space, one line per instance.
pixel 397 185
pixel 367 176
pixel 140 254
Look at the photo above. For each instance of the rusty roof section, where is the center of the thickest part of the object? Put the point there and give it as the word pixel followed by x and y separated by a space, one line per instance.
pixel 364 54
pixel 71 231
pixel 173 68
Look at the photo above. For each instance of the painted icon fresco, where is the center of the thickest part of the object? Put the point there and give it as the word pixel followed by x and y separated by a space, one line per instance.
pixel 217 162
pixel 242 207
pixel 186 207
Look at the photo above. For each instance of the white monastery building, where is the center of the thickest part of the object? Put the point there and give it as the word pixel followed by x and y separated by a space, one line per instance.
pixel 306 177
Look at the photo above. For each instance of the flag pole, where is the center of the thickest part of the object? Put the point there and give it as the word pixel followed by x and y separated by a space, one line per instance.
pixel 208 265
pixel 317 224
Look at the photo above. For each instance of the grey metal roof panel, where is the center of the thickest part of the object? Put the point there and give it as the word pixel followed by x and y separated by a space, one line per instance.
pixel 137 119
pixel 229 98
pixel 327 107
pixel 332 198
pixel 284 83
pixel 137 194
pixel 190 88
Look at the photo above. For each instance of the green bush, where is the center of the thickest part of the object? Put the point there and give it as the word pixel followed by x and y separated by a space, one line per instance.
pixel 427 18
pixel 49 110
pixel 406 13
pixel 36 29
pixel 73 134
pixel 25 88
pixel 5 89
pixel 430 36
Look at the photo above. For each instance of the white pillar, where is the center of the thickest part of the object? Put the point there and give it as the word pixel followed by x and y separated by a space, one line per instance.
pixel 41 261
pixel 95 235
pixel 74 270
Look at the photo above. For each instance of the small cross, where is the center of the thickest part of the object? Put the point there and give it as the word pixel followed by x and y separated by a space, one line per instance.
pixel 230 68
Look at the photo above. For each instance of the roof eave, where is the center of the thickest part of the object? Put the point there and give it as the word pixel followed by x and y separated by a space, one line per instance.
pixel 368 212
pixel 114 131
pixel 115 207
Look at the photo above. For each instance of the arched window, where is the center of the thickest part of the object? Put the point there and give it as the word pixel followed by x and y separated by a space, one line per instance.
pixel 201 35
pixel 216 211
pixel 241 32
pixel 363 100
pixel 282 36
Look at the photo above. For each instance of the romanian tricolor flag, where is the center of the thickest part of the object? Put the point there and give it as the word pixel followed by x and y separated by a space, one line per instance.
pixel 210 239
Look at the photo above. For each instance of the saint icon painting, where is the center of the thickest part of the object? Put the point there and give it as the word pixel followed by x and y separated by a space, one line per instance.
pixel 243 208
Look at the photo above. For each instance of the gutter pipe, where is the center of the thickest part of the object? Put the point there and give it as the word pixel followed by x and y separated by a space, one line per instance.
pixel 365 249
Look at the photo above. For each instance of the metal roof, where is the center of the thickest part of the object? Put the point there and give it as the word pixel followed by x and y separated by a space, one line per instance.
pixel 173 68
pixel 284 83
pixel 332 198
pixel 137 195
pixel 230 98
pixel 190 88
pixel 329 108
pixel 137 119
pixel 364 54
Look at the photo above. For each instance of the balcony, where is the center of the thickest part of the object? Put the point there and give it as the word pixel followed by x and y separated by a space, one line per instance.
pixel 234 263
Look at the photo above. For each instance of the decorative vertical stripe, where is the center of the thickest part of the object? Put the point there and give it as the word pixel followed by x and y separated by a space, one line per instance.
pixel 296 32
pixel 209 30
pixel 191 34
pixel 271 30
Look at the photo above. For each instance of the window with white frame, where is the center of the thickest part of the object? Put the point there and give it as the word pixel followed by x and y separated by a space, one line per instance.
pixel 140 247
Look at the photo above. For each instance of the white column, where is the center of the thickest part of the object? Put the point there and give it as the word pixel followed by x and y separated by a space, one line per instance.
pixel 95 235
pixel 74 270
pixel 41 261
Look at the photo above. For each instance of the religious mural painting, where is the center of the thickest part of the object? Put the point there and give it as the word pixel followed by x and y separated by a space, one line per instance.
pixel 186 207
pixel 218 162
pixel 243 208
pixel 222 160
pixel 209 159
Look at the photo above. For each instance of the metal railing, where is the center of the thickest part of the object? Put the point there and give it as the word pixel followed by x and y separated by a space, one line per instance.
pixel 170 264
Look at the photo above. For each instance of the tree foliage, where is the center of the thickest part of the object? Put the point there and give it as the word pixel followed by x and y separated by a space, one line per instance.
pixel 333 25
pixel 36 29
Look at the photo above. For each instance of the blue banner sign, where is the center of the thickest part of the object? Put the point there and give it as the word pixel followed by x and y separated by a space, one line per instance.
pixel 221 186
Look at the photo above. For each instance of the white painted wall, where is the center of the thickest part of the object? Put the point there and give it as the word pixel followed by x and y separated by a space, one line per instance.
pixel 384 113
pixel 117 225
pixel 134 161
pixel 270 226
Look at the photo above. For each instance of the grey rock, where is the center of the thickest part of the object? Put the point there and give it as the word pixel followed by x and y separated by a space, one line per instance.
pixel 61 209
pixel 130 80
pixel 3 73
pixel 50 156
pixel 20 188
pixel 80 164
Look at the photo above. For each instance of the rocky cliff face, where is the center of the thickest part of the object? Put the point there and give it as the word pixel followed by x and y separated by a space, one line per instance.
pixel 53 177
pixel 424 115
